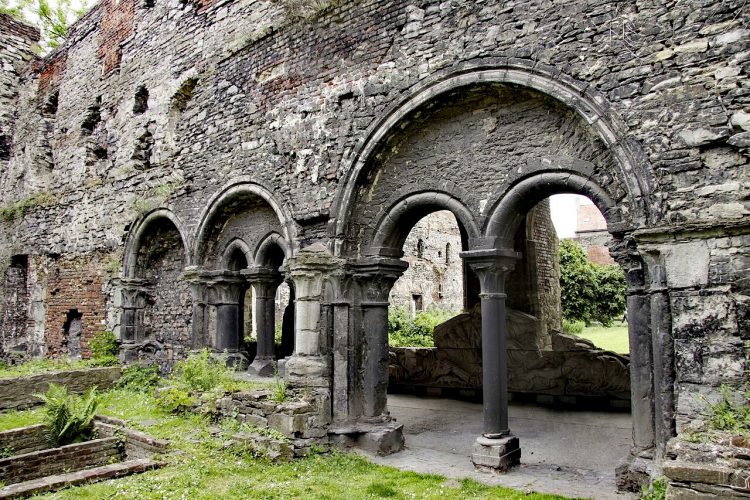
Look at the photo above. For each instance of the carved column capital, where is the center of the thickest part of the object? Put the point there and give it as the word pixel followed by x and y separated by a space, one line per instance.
pixel 265 280
pixel 491 267
pixel 376 276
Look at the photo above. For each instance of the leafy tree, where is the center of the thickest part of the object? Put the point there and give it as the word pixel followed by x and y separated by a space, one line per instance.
pixel 589 292
pixel 52 17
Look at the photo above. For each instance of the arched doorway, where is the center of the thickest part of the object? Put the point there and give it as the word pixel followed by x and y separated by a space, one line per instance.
pixel 496 141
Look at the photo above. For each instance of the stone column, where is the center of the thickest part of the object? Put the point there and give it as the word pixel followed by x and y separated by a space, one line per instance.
pixel 310 269
pixel 199 328
pixel 133 293
pixel 264 281
pixel 376 277
pixel 496 448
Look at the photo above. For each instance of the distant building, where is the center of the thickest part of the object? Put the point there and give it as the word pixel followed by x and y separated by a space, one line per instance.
pixel 591 232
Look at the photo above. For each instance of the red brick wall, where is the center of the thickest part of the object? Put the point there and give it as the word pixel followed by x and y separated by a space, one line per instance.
pixel 51 72
pixel 116 25
pixel 74 284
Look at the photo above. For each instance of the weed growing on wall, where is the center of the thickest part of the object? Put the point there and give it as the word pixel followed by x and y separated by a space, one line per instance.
pixel 17 210
pixel 104 347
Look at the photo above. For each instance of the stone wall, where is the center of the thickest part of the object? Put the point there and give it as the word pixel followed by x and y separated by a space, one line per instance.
pixel 436 276
pixel 18 393
pixel 345 110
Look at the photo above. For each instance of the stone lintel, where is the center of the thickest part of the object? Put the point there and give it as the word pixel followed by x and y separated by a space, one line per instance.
pixel 497 455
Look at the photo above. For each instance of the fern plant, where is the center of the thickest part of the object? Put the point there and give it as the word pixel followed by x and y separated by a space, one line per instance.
pixel 67 417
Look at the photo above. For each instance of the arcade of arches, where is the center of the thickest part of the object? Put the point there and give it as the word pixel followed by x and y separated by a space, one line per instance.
pixel 256 170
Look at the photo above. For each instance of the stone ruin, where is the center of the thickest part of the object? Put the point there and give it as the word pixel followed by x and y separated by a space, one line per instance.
pixel 174 153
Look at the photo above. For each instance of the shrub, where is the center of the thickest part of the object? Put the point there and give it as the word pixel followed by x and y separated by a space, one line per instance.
pixel 139 378
pixel 174 399
pixel 405 331
pixel 657 490
pixel 103 343
pixel 573 327
pixel 589 292
pixel 200 372
pixel 69 418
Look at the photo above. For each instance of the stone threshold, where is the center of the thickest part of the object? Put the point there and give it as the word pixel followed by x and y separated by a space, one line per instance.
pixel 60 481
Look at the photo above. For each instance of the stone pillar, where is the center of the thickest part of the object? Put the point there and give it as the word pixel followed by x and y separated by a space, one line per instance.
pixel 496 448
pixel 376 277
pixel 264 281
pixel 133 293
pixel 310 269
pixel 224 291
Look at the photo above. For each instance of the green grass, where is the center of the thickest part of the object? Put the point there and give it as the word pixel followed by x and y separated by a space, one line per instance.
pixel 614 338
pixel 43 365
pixel 201 465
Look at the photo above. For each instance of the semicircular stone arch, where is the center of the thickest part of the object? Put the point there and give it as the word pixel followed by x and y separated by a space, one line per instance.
pixel 478 127
pixel 141 229
pixel 242 209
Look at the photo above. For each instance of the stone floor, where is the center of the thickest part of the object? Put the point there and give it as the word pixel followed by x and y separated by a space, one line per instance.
pixel 571 453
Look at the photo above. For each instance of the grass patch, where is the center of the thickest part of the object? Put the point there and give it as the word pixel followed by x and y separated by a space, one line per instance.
pixel 614 338
pixel 37 366
pixel 202 466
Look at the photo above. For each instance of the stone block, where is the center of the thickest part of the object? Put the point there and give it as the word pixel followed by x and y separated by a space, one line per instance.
pixel 496 454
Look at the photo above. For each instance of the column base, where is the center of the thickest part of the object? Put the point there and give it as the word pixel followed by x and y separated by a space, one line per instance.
pixel 496 455
pixel 262 367
pixel 307 371
pixel 237 361
pixel 381 439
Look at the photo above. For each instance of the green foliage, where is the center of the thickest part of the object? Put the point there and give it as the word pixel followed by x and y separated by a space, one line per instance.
pixel 200 372
pixel 43 365
pixel 589 292
pixel 405 331
pixel 278 332
pixel 69 418
pixel 104 347
pixel 17 210
pixel 174 399
pixel 573 327
pixel 7 451
pixel 278 392
pixel 139 378
pixel 52 17
pixel 657 490
pixel 730 415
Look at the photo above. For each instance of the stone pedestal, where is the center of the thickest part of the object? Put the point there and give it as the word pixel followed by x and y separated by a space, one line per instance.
pixel 497 455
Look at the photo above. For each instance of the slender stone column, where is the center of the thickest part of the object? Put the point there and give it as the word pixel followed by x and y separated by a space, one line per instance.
pixel 264 281
pixel 310 269
pixel 376 277
pixel 496 448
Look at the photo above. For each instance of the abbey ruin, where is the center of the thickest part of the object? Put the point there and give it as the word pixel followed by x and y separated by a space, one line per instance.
pixel 174 153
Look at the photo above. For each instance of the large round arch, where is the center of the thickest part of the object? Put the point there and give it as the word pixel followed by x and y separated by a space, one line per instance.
pixel 630 165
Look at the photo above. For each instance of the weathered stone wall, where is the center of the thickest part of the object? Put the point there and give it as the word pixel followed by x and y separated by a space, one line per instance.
pixel 18 393
pixel 436 278
pixel 15 308
pixel 647 101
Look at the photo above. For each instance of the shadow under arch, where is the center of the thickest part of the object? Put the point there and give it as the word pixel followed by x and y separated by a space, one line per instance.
pixel 266 254
pixel 229 192
pixel 631 163
pixel 511 205
pixel 394 226
pixel 134 240
pixel 235 248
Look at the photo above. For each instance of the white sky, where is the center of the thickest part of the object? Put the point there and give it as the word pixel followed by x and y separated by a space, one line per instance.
pixel 564 209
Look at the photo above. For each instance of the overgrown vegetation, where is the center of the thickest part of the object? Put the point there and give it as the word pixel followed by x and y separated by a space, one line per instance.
pixel 201 465
pixel 104 347
pixel 573 327
pixel 69 418
pixel 657 490
pixel 52 17
pixel 17 210
pixel 44 365
pixel 589 292
pixel 278 392
pixel 730 414
pixel 139 378
pixel 407 331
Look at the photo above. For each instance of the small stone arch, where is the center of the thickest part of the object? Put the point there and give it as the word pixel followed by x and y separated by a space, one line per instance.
pixel 232 249
pixel 135 237
pixel 394 226
pixel 264 253
pixel 234 189
pixel 509 207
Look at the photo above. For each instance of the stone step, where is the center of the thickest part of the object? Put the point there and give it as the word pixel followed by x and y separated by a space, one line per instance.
pixel 60 481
